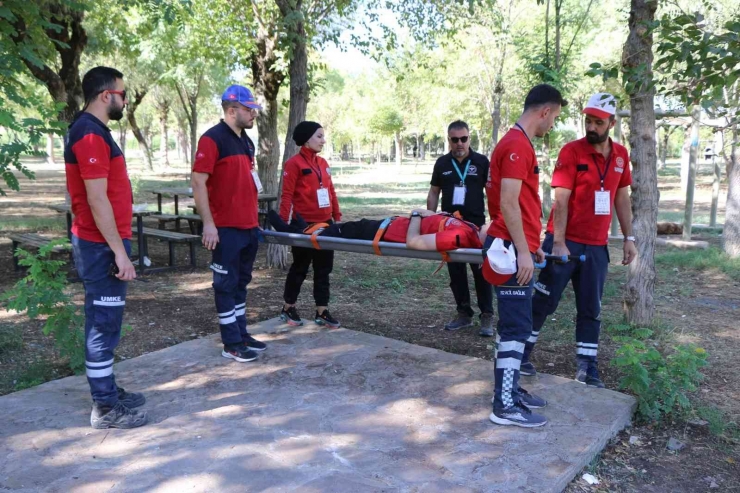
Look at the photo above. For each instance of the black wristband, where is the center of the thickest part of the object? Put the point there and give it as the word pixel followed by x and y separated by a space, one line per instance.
pixel 415 214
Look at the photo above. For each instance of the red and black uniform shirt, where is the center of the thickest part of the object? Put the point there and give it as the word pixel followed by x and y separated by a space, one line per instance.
pixel 579 169
pixel 514 157
pixel 303 175
pixel 229 160
pixel 451 233
pixel 90 153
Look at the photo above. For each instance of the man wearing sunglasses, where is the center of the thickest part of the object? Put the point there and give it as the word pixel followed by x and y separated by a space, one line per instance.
pixel 100 191
pixel 461 177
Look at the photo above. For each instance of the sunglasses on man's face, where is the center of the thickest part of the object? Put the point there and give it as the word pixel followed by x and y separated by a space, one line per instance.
pixel 120 93
pixel 462 139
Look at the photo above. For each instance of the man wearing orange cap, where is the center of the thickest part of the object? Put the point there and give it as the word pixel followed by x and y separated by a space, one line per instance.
pixel 592 175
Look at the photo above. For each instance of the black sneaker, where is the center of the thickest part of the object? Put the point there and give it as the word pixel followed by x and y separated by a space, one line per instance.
pixel 240 353
pixel 326 319
pixel 130 399
pixel 486 325
pixel 588 373
pixel 291 317
pixel 460 322
pixel 527 369
pixel 530 400
pixel 253 343
pixel 517 415
pixel 118 416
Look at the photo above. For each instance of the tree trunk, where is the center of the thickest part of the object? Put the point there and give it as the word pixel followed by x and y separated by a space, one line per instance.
pixel 50 148
pixel 277 255
pixel 685 158
pixel 122 129
pixel 345 152
pixel 193 126
pixel 138 97
pixel 422 147
pixel 64 85
pixel 637 64
pixel 399 149
pixel 691 179
pixel 731 232
pixel 667 131
pixel 164 112
pixel 546 174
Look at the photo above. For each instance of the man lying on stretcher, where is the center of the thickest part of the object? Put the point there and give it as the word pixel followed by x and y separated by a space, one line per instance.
pixel 423 230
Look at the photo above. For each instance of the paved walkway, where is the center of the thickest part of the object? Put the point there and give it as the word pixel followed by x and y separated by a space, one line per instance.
pixel 320 411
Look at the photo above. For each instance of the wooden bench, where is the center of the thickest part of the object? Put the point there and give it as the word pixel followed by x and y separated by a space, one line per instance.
pixel 172 238
pixel 36 241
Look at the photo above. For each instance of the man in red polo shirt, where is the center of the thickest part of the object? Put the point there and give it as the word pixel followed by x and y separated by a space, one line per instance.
pixel 98 185
pixel 225 187
pixel 515 209
pixel 592 175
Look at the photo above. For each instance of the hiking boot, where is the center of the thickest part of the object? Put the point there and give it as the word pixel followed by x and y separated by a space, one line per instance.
pixel 253 343
pixel 517 415
pixel 240 353
pixel 326 319
pixel 130 399
pixel 530 400
pixel 118 416
pixel 486 325
pixel 588 373
pixel 527 369
pixel 291 317
pixel 462 321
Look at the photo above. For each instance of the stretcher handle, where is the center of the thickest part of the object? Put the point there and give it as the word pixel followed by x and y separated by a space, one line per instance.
pixel 565 258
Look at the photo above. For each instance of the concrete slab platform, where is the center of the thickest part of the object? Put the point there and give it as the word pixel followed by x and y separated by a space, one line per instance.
pixel 320 411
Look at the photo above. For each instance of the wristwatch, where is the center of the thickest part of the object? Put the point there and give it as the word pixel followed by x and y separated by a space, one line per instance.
pixel 629 238
pixel 415 214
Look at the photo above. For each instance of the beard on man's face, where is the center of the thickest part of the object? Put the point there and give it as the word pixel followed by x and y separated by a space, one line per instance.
pixel 115 113
pixel 595 138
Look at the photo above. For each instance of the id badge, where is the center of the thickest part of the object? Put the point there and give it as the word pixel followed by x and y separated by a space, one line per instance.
pixel 323 195
pixel 602 204
pixel 458 197
pixel 257 182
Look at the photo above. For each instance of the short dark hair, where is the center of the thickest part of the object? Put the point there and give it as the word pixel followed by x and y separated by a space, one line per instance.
pixel 225 105
pixel 458 125
pixel 97 80
pixel 543 94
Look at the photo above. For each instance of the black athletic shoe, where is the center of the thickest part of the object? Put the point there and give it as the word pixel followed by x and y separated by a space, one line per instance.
pixel 527 369
pixel 486 325
pixel 530 400
pixel 461 321
pixel 240 353
pixel 291 317
pixel 326 319
pixel 118 416
pixel 253 343
pixel 517 415
pixel 588 373
pixel 130 399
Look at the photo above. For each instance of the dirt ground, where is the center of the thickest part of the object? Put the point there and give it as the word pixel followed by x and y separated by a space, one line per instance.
pixel 402 299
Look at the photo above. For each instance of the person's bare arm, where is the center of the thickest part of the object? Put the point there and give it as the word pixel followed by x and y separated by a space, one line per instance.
pixel 414 239
pixel 510 189
pixel 105 220
pixel 623 207
pixel 200 194
pixel 560 221
pixel 433 198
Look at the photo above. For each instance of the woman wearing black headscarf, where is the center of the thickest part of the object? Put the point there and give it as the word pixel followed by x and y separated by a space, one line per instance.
pixel 309 191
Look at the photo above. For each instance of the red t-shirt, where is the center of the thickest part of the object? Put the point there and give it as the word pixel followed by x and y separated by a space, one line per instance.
pixel 514 157
pixel 455 233
pixel 91 153
pixel 579 169
pixel 303 175
pixel 229 160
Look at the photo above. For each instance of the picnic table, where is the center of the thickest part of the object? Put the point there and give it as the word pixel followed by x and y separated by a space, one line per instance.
pixel 138 214
pixel 176 193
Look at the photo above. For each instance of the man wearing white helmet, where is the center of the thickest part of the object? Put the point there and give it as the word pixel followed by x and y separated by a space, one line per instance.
pixel 592 175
